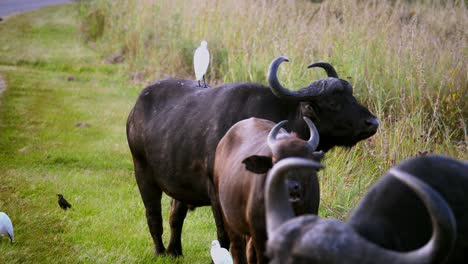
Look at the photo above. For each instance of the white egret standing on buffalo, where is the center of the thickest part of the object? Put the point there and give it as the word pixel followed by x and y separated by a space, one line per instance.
pixel 201 59
pixel 6 227
pixel 220 255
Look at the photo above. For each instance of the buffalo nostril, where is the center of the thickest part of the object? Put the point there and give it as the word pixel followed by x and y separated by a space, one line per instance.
pixel 372 123
pixel 293 187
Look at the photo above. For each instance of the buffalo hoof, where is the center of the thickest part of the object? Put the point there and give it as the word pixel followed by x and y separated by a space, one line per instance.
pixel 160 252
pixel 174 251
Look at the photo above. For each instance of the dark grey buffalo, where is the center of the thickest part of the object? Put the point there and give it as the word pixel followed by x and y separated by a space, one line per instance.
pixel 311 239
pixel 393 217
pixel 243 157
pixel 174 128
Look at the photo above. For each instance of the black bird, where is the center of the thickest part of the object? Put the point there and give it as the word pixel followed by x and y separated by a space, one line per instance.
pixel 64 204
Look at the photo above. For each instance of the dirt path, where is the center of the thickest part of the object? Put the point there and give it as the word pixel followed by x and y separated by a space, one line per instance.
pixel 9 7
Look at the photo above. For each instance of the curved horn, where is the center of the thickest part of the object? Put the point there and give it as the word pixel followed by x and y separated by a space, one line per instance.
pixel 271 139
pixel 443 222
pixel 314 138
pixel 442 219
pixel 278 208
pixel 331 72
pixel 275 85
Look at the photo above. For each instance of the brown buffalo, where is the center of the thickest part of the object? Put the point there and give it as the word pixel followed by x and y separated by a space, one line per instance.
pixel 251 147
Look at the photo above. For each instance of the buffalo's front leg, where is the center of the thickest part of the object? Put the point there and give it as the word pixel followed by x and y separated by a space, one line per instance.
pixel 237 249
pixel 176 221
pixel 256 246
pixel 256 249
pixel 151 196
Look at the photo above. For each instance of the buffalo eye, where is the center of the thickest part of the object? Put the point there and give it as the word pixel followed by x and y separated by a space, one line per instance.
pixel 334 106
pixel 309 111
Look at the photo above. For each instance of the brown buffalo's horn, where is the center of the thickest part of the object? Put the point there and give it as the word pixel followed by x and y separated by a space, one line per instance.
pixel 271 139
pixel 331 72
pixel 314 138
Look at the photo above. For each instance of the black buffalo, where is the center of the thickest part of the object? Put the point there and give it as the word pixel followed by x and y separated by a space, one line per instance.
pixel 312 239
pixel 393 217
pixel 174 128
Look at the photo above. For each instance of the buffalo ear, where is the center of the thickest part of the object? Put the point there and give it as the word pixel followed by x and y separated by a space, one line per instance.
pixel 258 164
pixel 318 155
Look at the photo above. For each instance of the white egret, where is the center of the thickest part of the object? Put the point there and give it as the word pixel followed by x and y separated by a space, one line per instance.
pixel 220 255
pixel 201 60
pixel 6 227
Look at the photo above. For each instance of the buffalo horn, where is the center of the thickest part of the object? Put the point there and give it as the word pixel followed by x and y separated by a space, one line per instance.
pixel 278 211
pixel 314 139
pixel 312 91
pixel 275 85
pixel 443 229
pixel 271 139
pixel 331 72
pixel 443 222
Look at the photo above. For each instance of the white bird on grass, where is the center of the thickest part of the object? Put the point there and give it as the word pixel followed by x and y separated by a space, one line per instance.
pixel 6 227
pixel 201 60
pixel 220 255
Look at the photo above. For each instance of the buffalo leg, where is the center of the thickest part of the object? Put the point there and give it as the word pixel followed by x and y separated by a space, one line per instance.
pixel 238 248
pixel 256 250
pixel 218 216
pixel 250 251
pixel 258 237
pixel 176 221
pixel 151 195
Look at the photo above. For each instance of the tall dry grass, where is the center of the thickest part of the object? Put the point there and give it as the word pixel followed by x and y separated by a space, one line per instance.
pixel 406 61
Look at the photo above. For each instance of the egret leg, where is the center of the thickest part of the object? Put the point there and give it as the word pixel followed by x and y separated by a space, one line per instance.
pixel 204 83
pixel 199 84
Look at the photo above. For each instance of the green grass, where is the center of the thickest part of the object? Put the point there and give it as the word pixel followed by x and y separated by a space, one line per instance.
pixel 43 152
pixel 405 60
pixel 406 63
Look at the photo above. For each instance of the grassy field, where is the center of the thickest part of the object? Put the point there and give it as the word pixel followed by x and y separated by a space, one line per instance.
pixel 62 117
pixel 60 136
pixel 405 59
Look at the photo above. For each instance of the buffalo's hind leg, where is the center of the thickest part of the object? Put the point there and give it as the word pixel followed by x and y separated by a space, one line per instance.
pixel 151 195
pixel 219 218
pixel 176 221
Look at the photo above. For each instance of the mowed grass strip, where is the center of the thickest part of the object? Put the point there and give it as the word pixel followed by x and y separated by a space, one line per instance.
pixel 62 130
